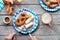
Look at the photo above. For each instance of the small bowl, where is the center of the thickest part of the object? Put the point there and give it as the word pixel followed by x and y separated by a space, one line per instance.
pixel 7 20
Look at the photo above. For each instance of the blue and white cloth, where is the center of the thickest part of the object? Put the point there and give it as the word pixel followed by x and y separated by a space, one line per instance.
pixel 34 27
pixel 47 8
pixel 1 4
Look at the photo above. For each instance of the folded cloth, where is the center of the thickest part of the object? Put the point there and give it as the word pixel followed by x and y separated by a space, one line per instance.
pixel 1 4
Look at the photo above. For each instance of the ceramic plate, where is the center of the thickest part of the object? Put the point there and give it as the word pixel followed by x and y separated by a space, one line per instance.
pixel 47 8
pixel 33 28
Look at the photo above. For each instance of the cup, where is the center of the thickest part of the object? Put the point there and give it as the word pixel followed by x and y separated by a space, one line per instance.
pixel 7 20
pixel 46 18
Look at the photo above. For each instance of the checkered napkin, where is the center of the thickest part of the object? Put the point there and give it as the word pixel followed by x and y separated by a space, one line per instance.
pixel 47 8
pixel 1 4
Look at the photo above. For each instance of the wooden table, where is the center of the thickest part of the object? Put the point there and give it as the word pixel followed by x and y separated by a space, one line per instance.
pixel 42 33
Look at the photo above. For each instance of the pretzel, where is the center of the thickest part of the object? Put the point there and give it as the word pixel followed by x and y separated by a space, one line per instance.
pixel 51 3
pixel 9 9
pixel 21 19
pixel 8 6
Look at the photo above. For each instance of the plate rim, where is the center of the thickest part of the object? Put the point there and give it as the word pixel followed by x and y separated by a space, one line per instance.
pixel 47 8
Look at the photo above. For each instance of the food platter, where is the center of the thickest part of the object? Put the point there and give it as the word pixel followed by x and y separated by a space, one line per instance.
pixel 35 24
pixel 47 8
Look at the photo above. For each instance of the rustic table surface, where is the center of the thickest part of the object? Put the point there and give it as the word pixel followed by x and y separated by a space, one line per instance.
pixel 42 33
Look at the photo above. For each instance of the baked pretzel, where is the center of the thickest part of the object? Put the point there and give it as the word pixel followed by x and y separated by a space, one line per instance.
pixel 51 3
pixel 8 4
pixel 8 7
pixel 21 19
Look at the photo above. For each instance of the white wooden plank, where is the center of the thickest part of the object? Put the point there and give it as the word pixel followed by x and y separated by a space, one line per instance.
pixel 29 2
pixel 42 30
pixel 37 8
pixel 38 37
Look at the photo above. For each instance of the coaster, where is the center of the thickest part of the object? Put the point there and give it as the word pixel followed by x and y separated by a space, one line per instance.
pixel 47 8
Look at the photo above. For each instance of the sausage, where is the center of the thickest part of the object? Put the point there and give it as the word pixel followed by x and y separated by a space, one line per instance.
pixel 29 25
pixel 29 19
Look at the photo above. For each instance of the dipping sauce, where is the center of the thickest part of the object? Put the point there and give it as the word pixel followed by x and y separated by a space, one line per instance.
pixel 7 19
